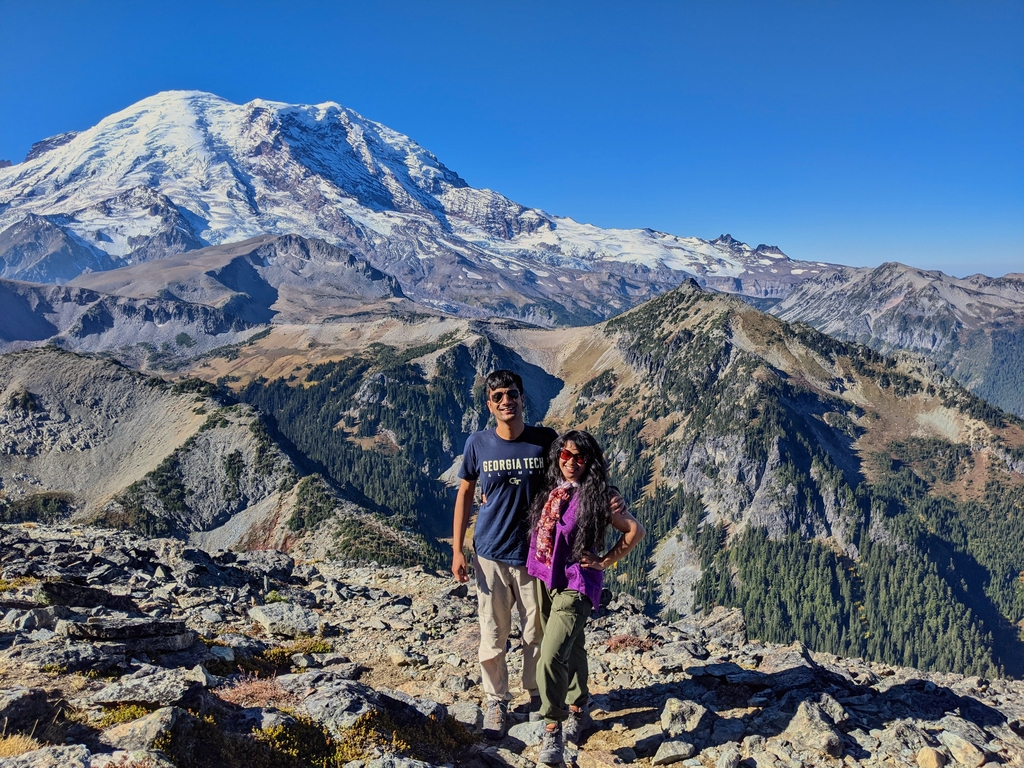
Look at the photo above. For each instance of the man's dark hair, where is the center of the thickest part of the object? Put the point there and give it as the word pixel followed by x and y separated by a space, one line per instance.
pixel 503 380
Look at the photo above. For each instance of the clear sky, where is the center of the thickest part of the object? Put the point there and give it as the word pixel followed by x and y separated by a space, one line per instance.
pixel 855 132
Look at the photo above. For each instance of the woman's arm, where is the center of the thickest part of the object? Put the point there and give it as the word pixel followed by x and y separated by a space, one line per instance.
pixel 632 531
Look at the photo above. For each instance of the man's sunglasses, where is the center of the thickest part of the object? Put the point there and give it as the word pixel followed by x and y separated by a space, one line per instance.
pixel 568 456
pixel 497 397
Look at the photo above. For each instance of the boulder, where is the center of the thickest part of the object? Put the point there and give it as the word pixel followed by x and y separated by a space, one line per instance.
pixel 812 729
pixel 962 750
pixel 672 752
pixel 152 686
pixel 286 619
pixel 142 734
pixel 23 710
pixel 73 756
pixel 680 716
pixel 70 594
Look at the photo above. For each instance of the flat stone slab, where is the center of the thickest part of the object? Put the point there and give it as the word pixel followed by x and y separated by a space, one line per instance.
pixel 122 629
pixel 154 687
pixel 67 593
pixel 67 656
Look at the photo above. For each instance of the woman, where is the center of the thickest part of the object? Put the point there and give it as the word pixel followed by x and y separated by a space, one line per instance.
pixel 568 523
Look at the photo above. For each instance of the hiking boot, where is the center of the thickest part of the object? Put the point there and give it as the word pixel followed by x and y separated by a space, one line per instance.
pixel 494 719
pixel 551 749
pixel 577 724
pixel 533 710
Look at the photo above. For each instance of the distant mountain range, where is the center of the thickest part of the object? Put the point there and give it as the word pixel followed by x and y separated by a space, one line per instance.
pixel 182 170
pixel 973 327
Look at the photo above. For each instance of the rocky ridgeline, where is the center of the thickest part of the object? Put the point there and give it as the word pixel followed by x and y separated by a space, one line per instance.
pixel 122 651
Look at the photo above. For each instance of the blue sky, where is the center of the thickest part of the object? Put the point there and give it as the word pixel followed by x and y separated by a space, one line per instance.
pixel 853 132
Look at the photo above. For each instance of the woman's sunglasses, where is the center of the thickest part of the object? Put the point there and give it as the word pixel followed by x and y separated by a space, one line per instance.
pixel 568 456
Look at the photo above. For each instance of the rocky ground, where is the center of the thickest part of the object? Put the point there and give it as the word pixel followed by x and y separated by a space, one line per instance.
pixel 122 651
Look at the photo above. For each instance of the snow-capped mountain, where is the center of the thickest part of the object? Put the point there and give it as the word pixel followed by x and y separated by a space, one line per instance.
pixel 183 169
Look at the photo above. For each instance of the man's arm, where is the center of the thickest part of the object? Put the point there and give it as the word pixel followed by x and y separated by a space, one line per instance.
pixel 632 531
pixel 463 511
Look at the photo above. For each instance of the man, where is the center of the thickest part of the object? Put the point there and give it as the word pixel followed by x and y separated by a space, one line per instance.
pixel 508 461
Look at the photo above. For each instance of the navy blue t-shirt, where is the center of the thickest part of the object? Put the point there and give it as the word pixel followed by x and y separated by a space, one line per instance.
pixel 509 473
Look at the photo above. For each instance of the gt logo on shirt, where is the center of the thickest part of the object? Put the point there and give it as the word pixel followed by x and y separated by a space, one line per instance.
pixel 504 465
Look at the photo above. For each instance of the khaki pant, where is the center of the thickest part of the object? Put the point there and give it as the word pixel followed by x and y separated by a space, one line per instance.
pixel 563 668
pixel 498 586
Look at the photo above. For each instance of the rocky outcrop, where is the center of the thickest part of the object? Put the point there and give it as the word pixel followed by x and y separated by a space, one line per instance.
pixel 402 652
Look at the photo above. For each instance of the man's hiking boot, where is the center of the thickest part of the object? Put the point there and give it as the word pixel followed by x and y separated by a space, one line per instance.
pixel 495 719
pixel 551 749
pixel 577 724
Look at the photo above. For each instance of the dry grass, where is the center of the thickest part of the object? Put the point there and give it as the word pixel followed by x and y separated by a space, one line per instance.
pixel 252 691
pixel 18 744
pixel 9 585
pixel 617 643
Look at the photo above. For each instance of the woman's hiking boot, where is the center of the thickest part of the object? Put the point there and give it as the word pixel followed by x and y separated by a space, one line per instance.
pixel 577 724
pixel 551 749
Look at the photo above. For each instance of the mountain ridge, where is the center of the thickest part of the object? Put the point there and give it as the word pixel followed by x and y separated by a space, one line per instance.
pixel 972 327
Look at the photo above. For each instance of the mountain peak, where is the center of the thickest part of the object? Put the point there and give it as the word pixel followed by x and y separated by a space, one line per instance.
pixel 226 172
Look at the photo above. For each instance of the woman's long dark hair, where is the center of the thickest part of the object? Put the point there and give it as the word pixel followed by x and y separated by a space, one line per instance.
pixel 593 512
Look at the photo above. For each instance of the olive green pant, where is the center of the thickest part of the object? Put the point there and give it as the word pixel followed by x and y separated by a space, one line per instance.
pixel 562 669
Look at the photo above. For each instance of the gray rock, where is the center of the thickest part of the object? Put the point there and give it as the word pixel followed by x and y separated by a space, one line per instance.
pixel 336 702
pixel 286 619
pixel 23 709
pixel 727 729
pixel 788 668
pixel 729 757
pixel 680 716
pixel 811 728
pixel 67 656
pixel 153 687
pixel 74 756
pixel 469 714
pixel 529 733
pixel 121 758
pixel 725 627
pixel 222 653
pixel 69 594
pixel 426 707
pixel 266 562
pixel 143 733
pixel 210 616
pixel 672 752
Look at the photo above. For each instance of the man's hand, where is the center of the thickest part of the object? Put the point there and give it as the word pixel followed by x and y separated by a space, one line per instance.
pixel 617 504
pixel 459 569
